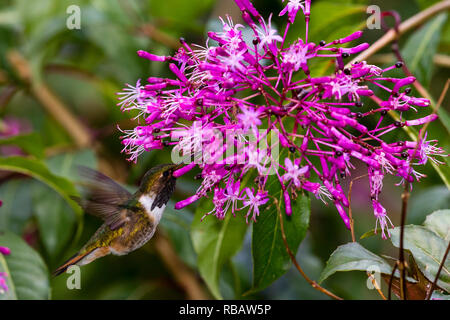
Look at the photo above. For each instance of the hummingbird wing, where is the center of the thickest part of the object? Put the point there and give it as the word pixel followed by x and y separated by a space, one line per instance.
pixel 114 216
pixel 101 188
pixel 104 198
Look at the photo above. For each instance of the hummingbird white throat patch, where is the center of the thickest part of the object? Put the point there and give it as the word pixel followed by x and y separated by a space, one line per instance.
pixel 147 202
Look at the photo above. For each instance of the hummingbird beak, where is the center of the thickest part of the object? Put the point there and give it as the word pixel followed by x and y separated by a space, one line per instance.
pixel 178 166
pixel 177 171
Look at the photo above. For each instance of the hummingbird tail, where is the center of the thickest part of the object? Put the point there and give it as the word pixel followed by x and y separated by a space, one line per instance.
pixel 82 259
pixel 71 261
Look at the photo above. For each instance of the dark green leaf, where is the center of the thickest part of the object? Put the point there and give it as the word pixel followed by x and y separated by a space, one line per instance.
pixel 270 258
pixel 186 14
pixel 439 296
pixel 177 223
pixel 17 204
pixel 30 143
pixel 428 250
pixel 444 117
pixel 439 222
pixel 55 219
pixel 27 273
pixel 352 256
pixel 65 165
pixel 325 14
pixel 370 233
pixel 40 172
pixel 426 201
pixel 215 242
pixel 420 49
pixel 229 282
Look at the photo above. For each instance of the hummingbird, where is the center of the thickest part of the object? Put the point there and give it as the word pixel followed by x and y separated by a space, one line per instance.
pixel 130 220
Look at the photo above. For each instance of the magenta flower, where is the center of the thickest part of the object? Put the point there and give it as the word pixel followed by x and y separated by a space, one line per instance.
pixel 293 172
pixel 5 251
pixel 382 219
pixel 248 92
pixel 292 8
pixel 3 286
pixel 425 150
pixel 254 202
pixel 9 127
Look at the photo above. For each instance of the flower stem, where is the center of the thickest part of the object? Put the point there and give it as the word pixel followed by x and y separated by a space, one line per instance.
pixel 390 281
pixel 401 258
pixel 313 283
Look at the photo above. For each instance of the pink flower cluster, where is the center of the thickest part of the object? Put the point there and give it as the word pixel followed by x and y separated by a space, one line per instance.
pixel 261 86
pixel 3 286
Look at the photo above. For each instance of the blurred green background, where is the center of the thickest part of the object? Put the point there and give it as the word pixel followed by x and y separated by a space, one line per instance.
pixel 46 68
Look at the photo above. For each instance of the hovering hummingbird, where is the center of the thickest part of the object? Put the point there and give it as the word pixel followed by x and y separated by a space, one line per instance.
pixel 130 220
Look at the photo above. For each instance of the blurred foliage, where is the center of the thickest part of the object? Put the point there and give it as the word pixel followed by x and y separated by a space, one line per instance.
pixel 85 68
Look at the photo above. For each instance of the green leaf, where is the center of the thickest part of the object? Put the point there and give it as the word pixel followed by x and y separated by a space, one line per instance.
pixel 439 296
pixel 426 3
pixel 428 250
pixel 17 204
pixel 370 233
pixel 39 171
pixel 185 15
pixel 27 274
pixel 439 222
pixel 215 242
pixel 443 171
pixel 352 256
pixel 426 201
pixel 325 14
pixel 420 49
pixel 270 258
pixel 229 281
pixel 65 165
pixel 30 143
pixel 177 224
pixel 444 117
pixel 55 219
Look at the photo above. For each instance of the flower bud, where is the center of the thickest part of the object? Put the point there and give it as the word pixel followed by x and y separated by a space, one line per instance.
pixel 151 57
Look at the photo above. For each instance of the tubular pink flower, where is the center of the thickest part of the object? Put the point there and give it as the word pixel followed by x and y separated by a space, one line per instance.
pixel 151 57
pixel 184 170
pixel 292 8
pixel 287 203
pixel 421 121
pixel 181 204
pixel 382 219
pixel 350 38
pixel 5 251
pixel 343 215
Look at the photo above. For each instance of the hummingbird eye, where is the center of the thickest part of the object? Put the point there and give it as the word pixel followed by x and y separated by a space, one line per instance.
pixel 166 173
